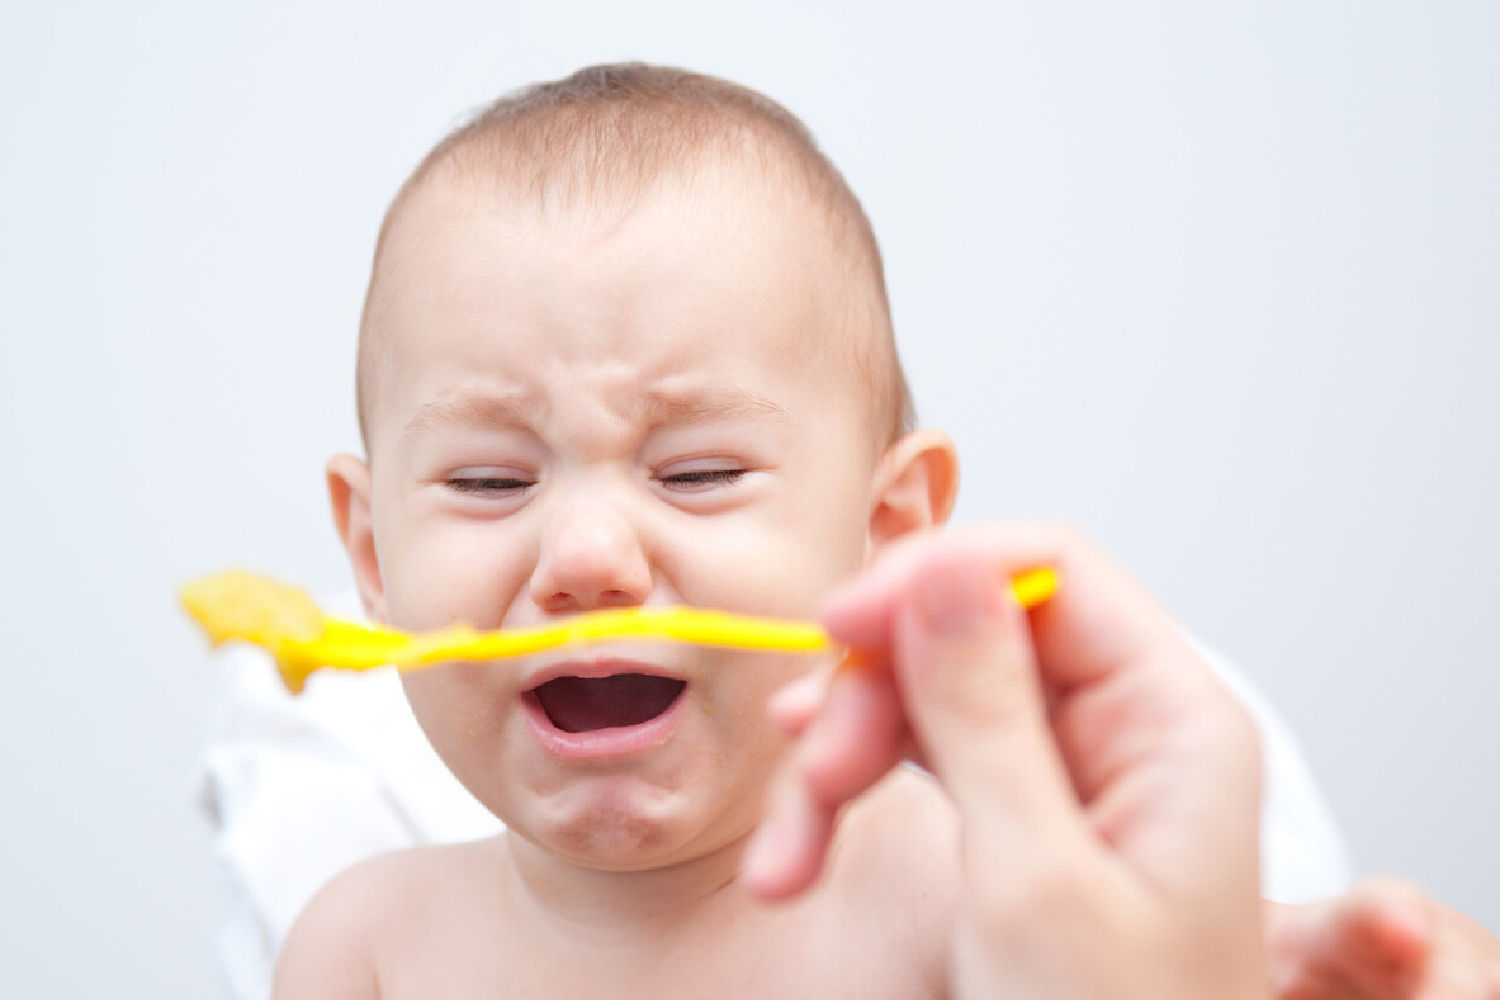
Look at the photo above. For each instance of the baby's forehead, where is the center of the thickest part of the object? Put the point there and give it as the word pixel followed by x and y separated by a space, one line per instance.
pixel 694 265
pixel 466 224
pixel 722 230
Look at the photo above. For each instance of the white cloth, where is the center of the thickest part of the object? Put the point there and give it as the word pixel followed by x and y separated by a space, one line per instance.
pixel 297 789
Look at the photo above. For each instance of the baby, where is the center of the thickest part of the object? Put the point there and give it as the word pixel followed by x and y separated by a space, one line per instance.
pixel 626 343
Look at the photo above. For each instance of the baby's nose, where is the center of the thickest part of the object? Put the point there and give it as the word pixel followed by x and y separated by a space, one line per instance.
pixel 591 557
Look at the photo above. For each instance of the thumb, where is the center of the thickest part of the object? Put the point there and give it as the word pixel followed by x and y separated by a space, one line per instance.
pixel 968 675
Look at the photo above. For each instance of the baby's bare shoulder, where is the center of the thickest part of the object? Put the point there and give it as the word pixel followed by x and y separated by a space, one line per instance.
pixel 897 871
pixel 903 834
pixel 365 916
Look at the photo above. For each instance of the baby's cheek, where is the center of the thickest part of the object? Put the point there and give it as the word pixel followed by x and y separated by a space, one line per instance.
pixel 793 580
pixel 735 709
pixel 454 577
pixel 784 573
pixel 461 708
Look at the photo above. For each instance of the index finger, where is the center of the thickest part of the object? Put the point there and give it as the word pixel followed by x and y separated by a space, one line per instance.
pixel 1161 757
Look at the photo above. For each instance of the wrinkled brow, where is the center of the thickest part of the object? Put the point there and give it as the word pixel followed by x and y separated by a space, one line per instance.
pixel 659 407
pixel 469 409
pixel 664 408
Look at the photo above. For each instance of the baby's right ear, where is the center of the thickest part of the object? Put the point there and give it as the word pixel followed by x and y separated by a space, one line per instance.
pixel 349 494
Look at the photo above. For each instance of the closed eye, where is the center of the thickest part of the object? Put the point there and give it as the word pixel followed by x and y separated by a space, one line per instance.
pixel 488 485
pixel 700 479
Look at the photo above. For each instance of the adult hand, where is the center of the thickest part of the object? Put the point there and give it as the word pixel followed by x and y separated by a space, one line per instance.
pixel 1107 787
pixel 1385 940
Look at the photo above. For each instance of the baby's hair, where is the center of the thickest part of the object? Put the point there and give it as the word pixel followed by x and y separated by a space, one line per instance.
pixel 607 135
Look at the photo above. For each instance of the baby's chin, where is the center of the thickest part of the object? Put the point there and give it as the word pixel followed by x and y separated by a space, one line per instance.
pixel 628 830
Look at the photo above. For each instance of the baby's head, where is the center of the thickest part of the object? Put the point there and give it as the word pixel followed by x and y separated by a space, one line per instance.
pixel 588 151
pixel 626 342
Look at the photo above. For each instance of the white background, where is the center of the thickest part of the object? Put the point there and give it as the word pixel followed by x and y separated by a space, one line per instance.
pixel 1216 281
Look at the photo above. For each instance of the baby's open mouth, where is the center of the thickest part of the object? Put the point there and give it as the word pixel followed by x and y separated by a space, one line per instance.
pixel 583 704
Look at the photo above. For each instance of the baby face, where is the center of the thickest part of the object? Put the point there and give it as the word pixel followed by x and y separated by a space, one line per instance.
pixel 578 411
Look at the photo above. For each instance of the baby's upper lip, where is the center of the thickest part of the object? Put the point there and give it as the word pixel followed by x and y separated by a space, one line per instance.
pixel 600 664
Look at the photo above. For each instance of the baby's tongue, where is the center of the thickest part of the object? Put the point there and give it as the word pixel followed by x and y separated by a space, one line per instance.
pixel 579 704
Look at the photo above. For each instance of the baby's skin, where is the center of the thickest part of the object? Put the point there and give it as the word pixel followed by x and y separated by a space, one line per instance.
pixel 629 407
pixel 650 404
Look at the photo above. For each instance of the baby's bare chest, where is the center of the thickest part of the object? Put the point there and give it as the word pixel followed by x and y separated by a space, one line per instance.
pixel 855 975
pixel 860 960
pixel 877 926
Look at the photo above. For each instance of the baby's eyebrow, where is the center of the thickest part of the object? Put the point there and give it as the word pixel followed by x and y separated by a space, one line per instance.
pixel 467 408
pixel 716 403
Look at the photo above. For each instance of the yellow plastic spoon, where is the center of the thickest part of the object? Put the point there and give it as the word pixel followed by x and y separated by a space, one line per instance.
pixel 287 624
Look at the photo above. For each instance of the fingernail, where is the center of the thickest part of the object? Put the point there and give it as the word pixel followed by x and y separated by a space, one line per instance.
pixel 957 601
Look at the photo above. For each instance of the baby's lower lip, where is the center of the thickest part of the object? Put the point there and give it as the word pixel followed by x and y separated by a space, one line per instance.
pixel 613 741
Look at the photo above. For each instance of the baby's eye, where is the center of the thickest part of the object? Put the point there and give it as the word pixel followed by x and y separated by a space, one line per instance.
pixel 488 485
pixel 702 479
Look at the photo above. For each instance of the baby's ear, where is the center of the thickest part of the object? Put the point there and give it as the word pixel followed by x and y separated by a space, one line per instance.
pixel 349 494
pixel 915 485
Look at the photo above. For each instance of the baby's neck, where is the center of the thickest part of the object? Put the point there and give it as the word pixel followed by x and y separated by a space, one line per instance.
pixel 615 906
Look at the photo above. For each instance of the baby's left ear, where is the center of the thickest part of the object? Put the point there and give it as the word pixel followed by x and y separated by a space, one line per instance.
pixel 914 487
